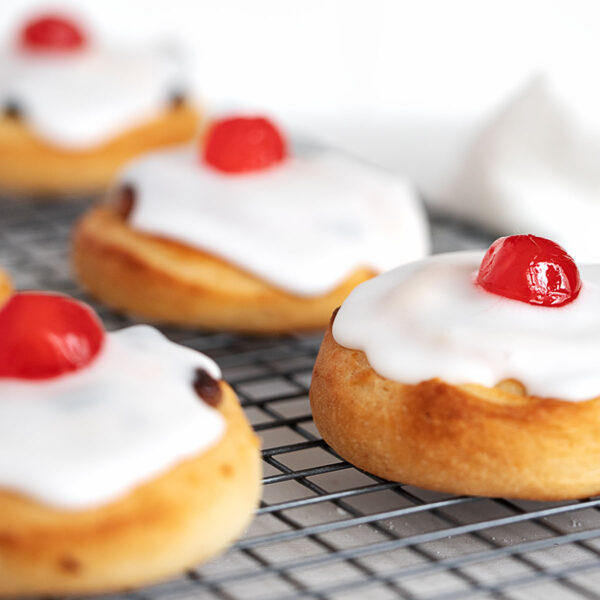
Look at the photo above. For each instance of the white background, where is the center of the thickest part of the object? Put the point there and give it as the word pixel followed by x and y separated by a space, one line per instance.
pixel 401 83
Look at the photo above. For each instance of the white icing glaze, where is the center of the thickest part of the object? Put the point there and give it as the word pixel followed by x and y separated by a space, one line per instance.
pixel 82 99
pixel 88 438
pixel 428 319
pixel 534 166
pixel 303 226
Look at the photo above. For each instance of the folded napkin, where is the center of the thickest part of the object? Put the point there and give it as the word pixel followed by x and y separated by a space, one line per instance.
pixel 535 166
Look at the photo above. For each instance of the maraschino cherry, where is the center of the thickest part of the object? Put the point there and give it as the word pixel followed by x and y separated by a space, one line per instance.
pixel 52 33
pixel 530 269
pixel 46 335
pixel 242 144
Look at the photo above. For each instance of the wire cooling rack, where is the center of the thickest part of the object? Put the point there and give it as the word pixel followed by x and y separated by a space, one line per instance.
pixel 325 529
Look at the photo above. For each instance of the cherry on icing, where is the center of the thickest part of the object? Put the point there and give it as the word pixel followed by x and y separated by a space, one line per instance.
pixel 242 144
pixel 530 269
pixel 46 335
pixel 52 33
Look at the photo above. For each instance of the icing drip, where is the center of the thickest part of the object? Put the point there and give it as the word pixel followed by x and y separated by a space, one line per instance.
pixel 84 99
pixel 304 226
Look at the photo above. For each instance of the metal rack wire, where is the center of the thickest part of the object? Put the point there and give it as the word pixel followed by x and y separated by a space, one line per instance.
pixel 324 528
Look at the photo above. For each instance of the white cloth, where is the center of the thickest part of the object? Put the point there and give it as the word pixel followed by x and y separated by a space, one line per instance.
pixel 535 166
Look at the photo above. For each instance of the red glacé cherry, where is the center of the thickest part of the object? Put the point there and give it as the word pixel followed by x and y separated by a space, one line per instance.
pixel 530 269
pixel 46 335
pixel 241 144
pixel 52 33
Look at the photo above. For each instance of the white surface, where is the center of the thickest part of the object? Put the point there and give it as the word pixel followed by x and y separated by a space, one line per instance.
pixel 429 319
pixel 87 438
pixel 304 225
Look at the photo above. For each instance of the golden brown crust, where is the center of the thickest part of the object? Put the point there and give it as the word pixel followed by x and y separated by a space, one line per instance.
pixel 5 287
pixel 165 281
pixel 30 166
pixel 161 528
pixel 466 439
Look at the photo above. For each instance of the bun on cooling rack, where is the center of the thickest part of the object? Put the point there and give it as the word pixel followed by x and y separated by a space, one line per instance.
pixel 124 462
pixel 237 234
pixel 165 526
pixel 30 166
pixel 169 282
pixel 466 439
pixel 426 378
